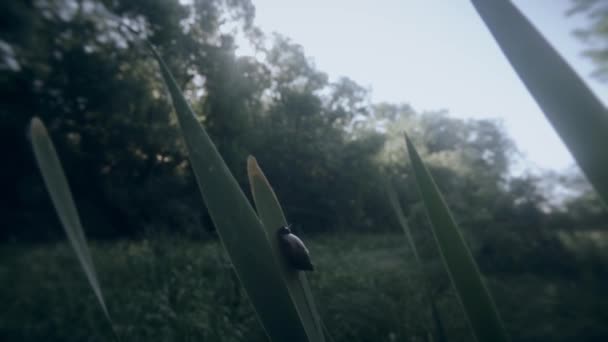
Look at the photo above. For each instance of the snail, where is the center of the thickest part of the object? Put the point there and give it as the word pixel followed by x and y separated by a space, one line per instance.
pixel 294 250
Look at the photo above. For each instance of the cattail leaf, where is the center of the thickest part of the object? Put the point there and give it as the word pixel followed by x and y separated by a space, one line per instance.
pixel 270 212
pixel 577 115
pixel 394 201
pixel 240 230
pixel 458 260
pixel 61 196
pixel 440 335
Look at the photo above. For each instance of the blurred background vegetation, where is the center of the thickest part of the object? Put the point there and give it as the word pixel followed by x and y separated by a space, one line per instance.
pixel 329 152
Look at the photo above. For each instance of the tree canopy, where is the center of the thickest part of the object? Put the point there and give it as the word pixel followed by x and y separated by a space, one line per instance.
pixel 595 35
pixel 328 151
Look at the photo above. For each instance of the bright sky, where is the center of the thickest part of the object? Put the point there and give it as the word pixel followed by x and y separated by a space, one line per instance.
pixel 433 54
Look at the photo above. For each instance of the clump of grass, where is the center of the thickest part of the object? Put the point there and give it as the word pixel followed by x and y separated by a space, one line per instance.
pixel 281 297
pixel 245 238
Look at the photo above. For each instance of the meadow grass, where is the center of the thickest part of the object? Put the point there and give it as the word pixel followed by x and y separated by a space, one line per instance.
pixel 171 289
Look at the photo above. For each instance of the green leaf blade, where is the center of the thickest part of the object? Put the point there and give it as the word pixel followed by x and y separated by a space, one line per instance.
pixel 392 196
pixel 435 317
pixel 458 260
pixel 61 197
pixel 272 216
pixel 240 230
pixel 576 114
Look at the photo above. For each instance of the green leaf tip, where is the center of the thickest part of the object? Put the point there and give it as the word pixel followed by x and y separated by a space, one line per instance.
pixel 255 175
pixel 472 293
pixel 37 127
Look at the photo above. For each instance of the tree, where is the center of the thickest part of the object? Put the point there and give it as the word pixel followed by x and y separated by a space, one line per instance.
pixel 71 63
pixel 596 34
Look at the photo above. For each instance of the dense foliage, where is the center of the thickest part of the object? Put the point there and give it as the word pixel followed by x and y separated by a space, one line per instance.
pixel 595 35
pixel 329 152
pixel 366 286
pixel 75 64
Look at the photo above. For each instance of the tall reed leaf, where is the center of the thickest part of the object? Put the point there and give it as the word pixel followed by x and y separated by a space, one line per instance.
pixel 59 190
pixel 270 212
pixel 392 197
pixel 240 230
pixel 577 115
pixel 472 293
pixel 440 335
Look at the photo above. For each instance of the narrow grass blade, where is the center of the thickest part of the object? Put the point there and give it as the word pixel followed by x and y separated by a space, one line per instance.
pixel 59 190
pixel 392 196
pixel 270 212
pixel 464 274
pixel 436 318
pixel 240 230
pixel 577 115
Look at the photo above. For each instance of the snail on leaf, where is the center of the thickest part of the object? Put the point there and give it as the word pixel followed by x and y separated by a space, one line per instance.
pixel 294 250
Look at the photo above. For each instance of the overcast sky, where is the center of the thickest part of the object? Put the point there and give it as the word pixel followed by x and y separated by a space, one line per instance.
pixel 433 54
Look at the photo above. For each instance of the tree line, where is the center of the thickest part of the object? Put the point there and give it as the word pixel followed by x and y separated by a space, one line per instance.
pixel 328 150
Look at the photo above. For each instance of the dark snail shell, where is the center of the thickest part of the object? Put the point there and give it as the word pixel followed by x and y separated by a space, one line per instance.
pixel 294 250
